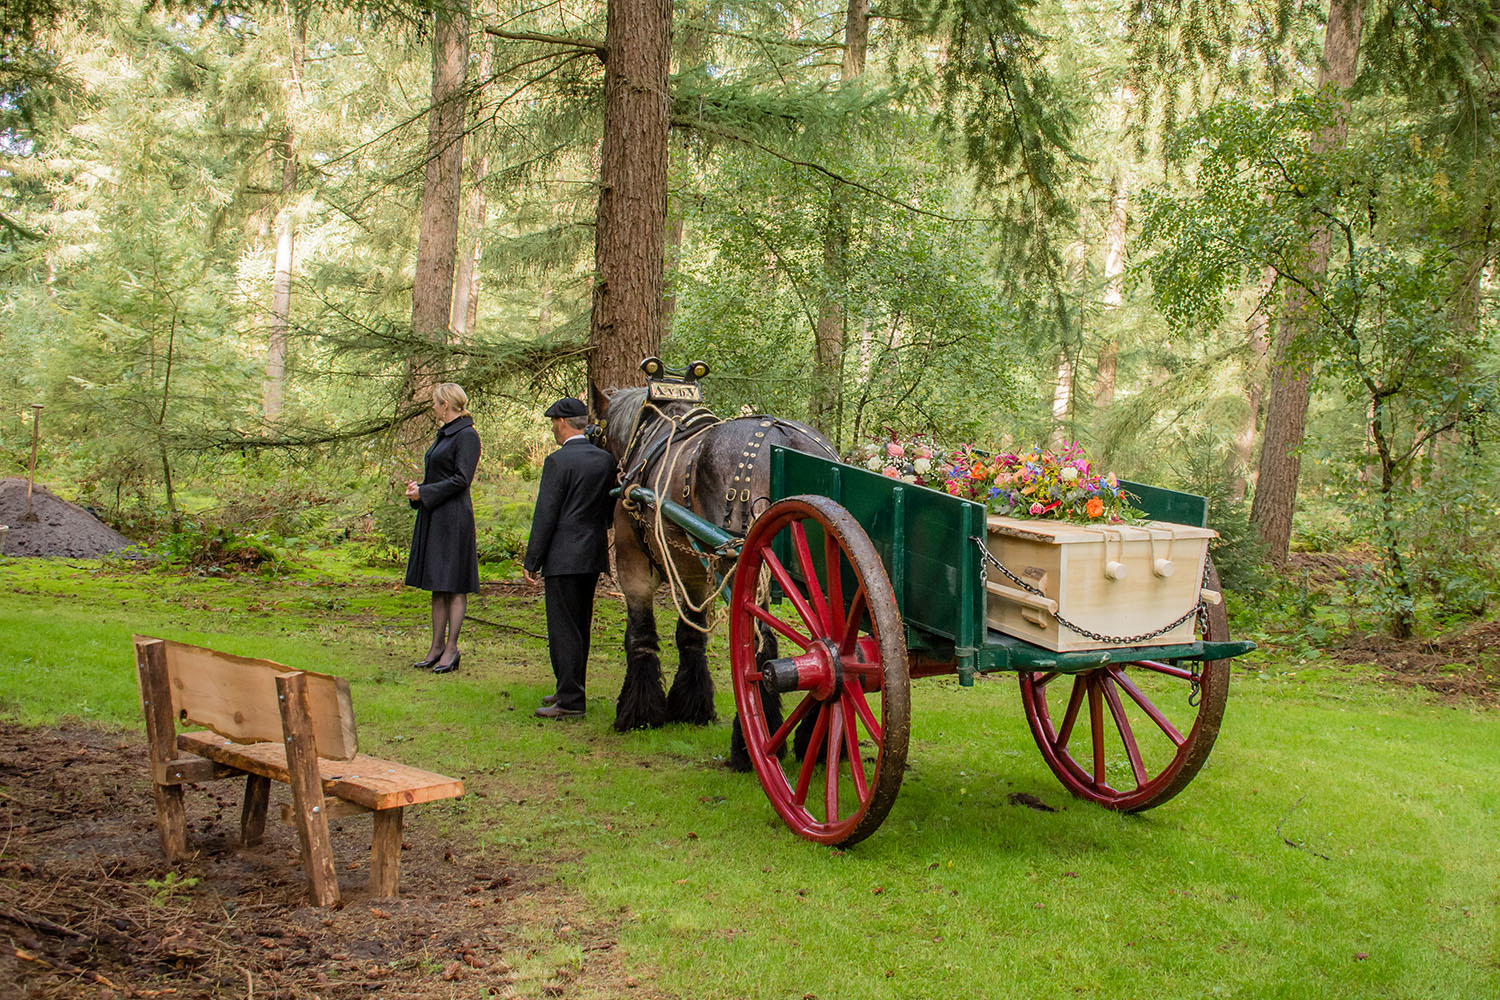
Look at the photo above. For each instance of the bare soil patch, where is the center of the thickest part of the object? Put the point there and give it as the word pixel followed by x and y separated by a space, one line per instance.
pixel 1326 568
pixel 90 908
pixel 60 528
pixel 1464 666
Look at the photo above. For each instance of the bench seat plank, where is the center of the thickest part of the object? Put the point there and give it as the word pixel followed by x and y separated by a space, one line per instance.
pixel 367 781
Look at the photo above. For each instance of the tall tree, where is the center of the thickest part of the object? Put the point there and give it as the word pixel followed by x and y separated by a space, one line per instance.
pixel 286 220
pixel 466 271
pixel 828 338
pixel 630 228
pixel 437 234
pixel 1275 497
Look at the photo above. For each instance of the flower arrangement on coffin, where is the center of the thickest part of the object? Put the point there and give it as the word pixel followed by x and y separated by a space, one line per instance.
pixel 917 459
pixel 1040 484
pixel 1026 484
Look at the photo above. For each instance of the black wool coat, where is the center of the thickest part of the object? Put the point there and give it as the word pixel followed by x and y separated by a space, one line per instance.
pixel 573 511
pixel 444 555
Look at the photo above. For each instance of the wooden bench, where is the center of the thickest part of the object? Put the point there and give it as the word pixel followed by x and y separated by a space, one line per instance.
pixel 271 723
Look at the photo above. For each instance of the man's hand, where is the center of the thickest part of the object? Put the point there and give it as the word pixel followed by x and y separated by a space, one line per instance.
pixel 531 578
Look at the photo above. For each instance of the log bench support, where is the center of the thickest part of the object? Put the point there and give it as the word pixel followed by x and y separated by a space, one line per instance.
pixel 322 788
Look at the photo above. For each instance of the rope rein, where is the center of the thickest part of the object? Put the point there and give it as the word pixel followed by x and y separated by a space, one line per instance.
pixel 695 423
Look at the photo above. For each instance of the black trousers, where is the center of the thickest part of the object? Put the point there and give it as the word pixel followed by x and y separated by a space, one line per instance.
pixel 570 616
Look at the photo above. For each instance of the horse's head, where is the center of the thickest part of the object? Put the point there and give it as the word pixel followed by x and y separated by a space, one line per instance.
pixel 618 411
pixel 626 416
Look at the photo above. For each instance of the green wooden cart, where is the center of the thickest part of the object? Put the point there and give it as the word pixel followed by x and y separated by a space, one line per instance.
pixel 869 582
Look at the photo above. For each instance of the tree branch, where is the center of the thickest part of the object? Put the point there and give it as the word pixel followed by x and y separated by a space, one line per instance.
pixel 588 45
pixel 689 123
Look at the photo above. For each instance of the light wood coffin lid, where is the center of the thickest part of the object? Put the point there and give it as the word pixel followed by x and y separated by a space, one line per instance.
pixel 235 696
pixel 1062 532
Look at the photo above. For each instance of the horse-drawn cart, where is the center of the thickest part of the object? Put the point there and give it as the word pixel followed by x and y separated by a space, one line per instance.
pixel 871 582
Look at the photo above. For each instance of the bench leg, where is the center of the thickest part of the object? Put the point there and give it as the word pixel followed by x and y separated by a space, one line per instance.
pixel 385 854
pixel 253 816
pixel 161 739
pixel 307 790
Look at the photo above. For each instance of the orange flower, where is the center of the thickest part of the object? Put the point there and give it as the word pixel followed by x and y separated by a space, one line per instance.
pixel 1094 507
pixel 978 471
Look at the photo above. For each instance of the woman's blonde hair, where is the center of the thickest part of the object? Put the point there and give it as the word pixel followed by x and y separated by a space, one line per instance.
pixel 451 395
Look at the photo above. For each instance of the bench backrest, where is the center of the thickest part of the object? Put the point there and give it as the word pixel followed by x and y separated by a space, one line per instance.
pixel 235 696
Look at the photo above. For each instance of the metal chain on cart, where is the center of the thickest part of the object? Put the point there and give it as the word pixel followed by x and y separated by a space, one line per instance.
pixel 1086 633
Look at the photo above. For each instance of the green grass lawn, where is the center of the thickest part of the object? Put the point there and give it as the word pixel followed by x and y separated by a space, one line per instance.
pixel 1342 842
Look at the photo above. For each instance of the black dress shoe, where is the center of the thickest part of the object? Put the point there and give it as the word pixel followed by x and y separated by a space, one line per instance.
pixel 426 664
pixel 549 699
pixel 447 668
pixel 557 712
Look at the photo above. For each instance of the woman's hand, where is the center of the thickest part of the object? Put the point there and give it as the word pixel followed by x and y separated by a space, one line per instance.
pixel 413 492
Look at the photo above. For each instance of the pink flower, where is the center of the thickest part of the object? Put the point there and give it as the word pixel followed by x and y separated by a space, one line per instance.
pixel 1036 509
pixel 895 450
pixel 953 486
pixel 924 452
pixel 890 470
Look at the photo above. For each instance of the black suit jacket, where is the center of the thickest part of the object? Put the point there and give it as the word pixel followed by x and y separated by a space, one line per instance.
pixel 573 510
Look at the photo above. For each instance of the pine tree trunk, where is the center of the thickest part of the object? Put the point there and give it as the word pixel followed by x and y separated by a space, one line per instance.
pixel 689 54
pixel 1286 410
pixel 631 224
pixel 466 270
pixel 1062 400
pixel 828 332
pixel 286 233
pixel 437 235
pixel 1244 438
pixel 1114 285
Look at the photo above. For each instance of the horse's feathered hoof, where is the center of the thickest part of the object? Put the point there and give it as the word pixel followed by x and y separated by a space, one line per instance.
pixel 640 711
pixel 739 761
pixel 694 709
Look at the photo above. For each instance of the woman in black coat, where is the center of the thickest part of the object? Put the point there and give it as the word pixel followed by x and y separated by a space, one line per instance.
pixel 444 558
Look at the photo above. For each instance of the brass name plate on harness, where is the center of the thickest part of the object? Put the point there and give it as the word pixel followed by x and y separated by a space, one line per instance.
pixel 675 392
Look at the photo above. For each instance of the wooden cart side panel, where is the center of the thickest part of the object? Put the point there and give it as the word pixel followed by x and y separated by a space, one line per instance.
pixel 939 577
pixel 235 696
pixel 1161 504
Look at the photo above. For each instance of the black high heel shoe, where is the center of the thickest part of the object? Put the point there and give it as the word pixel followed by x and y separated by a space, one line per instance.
pixel 448 668
pixel 428 663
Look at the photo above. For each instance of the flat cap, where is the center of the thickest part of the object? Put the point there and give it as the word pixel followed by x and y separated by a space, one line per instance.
pixel 566 407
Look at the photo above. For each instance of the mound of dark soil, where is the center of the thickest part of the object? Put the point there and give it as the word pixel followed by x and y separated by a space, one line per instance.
pixel 60 528
pixel 90 908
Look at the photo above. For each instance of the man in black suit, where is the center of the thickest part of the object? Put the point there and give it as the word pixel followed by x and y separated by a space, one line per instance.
pixel 568 549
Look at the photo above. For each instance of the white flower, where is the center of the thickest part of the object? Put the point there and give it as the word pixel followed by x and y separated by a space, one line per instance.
pixel 908 479
pixel 1068 473
pixel 876 463
pixel 922 466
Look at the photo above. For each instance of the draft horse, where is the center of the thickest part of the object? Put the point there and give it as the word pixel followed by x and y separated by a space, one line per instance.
pixel 720 469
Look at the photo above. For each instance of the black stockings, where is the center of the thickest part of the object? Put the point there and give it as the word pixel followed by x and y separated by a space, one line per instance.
pixel 447 618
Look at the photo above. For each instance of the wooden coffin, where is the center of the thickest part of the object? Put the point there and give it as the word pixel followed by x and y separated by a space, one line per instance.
pixel 1118 581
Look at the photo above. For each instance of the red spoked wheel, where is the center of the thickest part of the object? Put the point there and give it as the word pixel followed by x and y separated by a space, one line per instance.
pixel 846 676
pixel 1129 736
